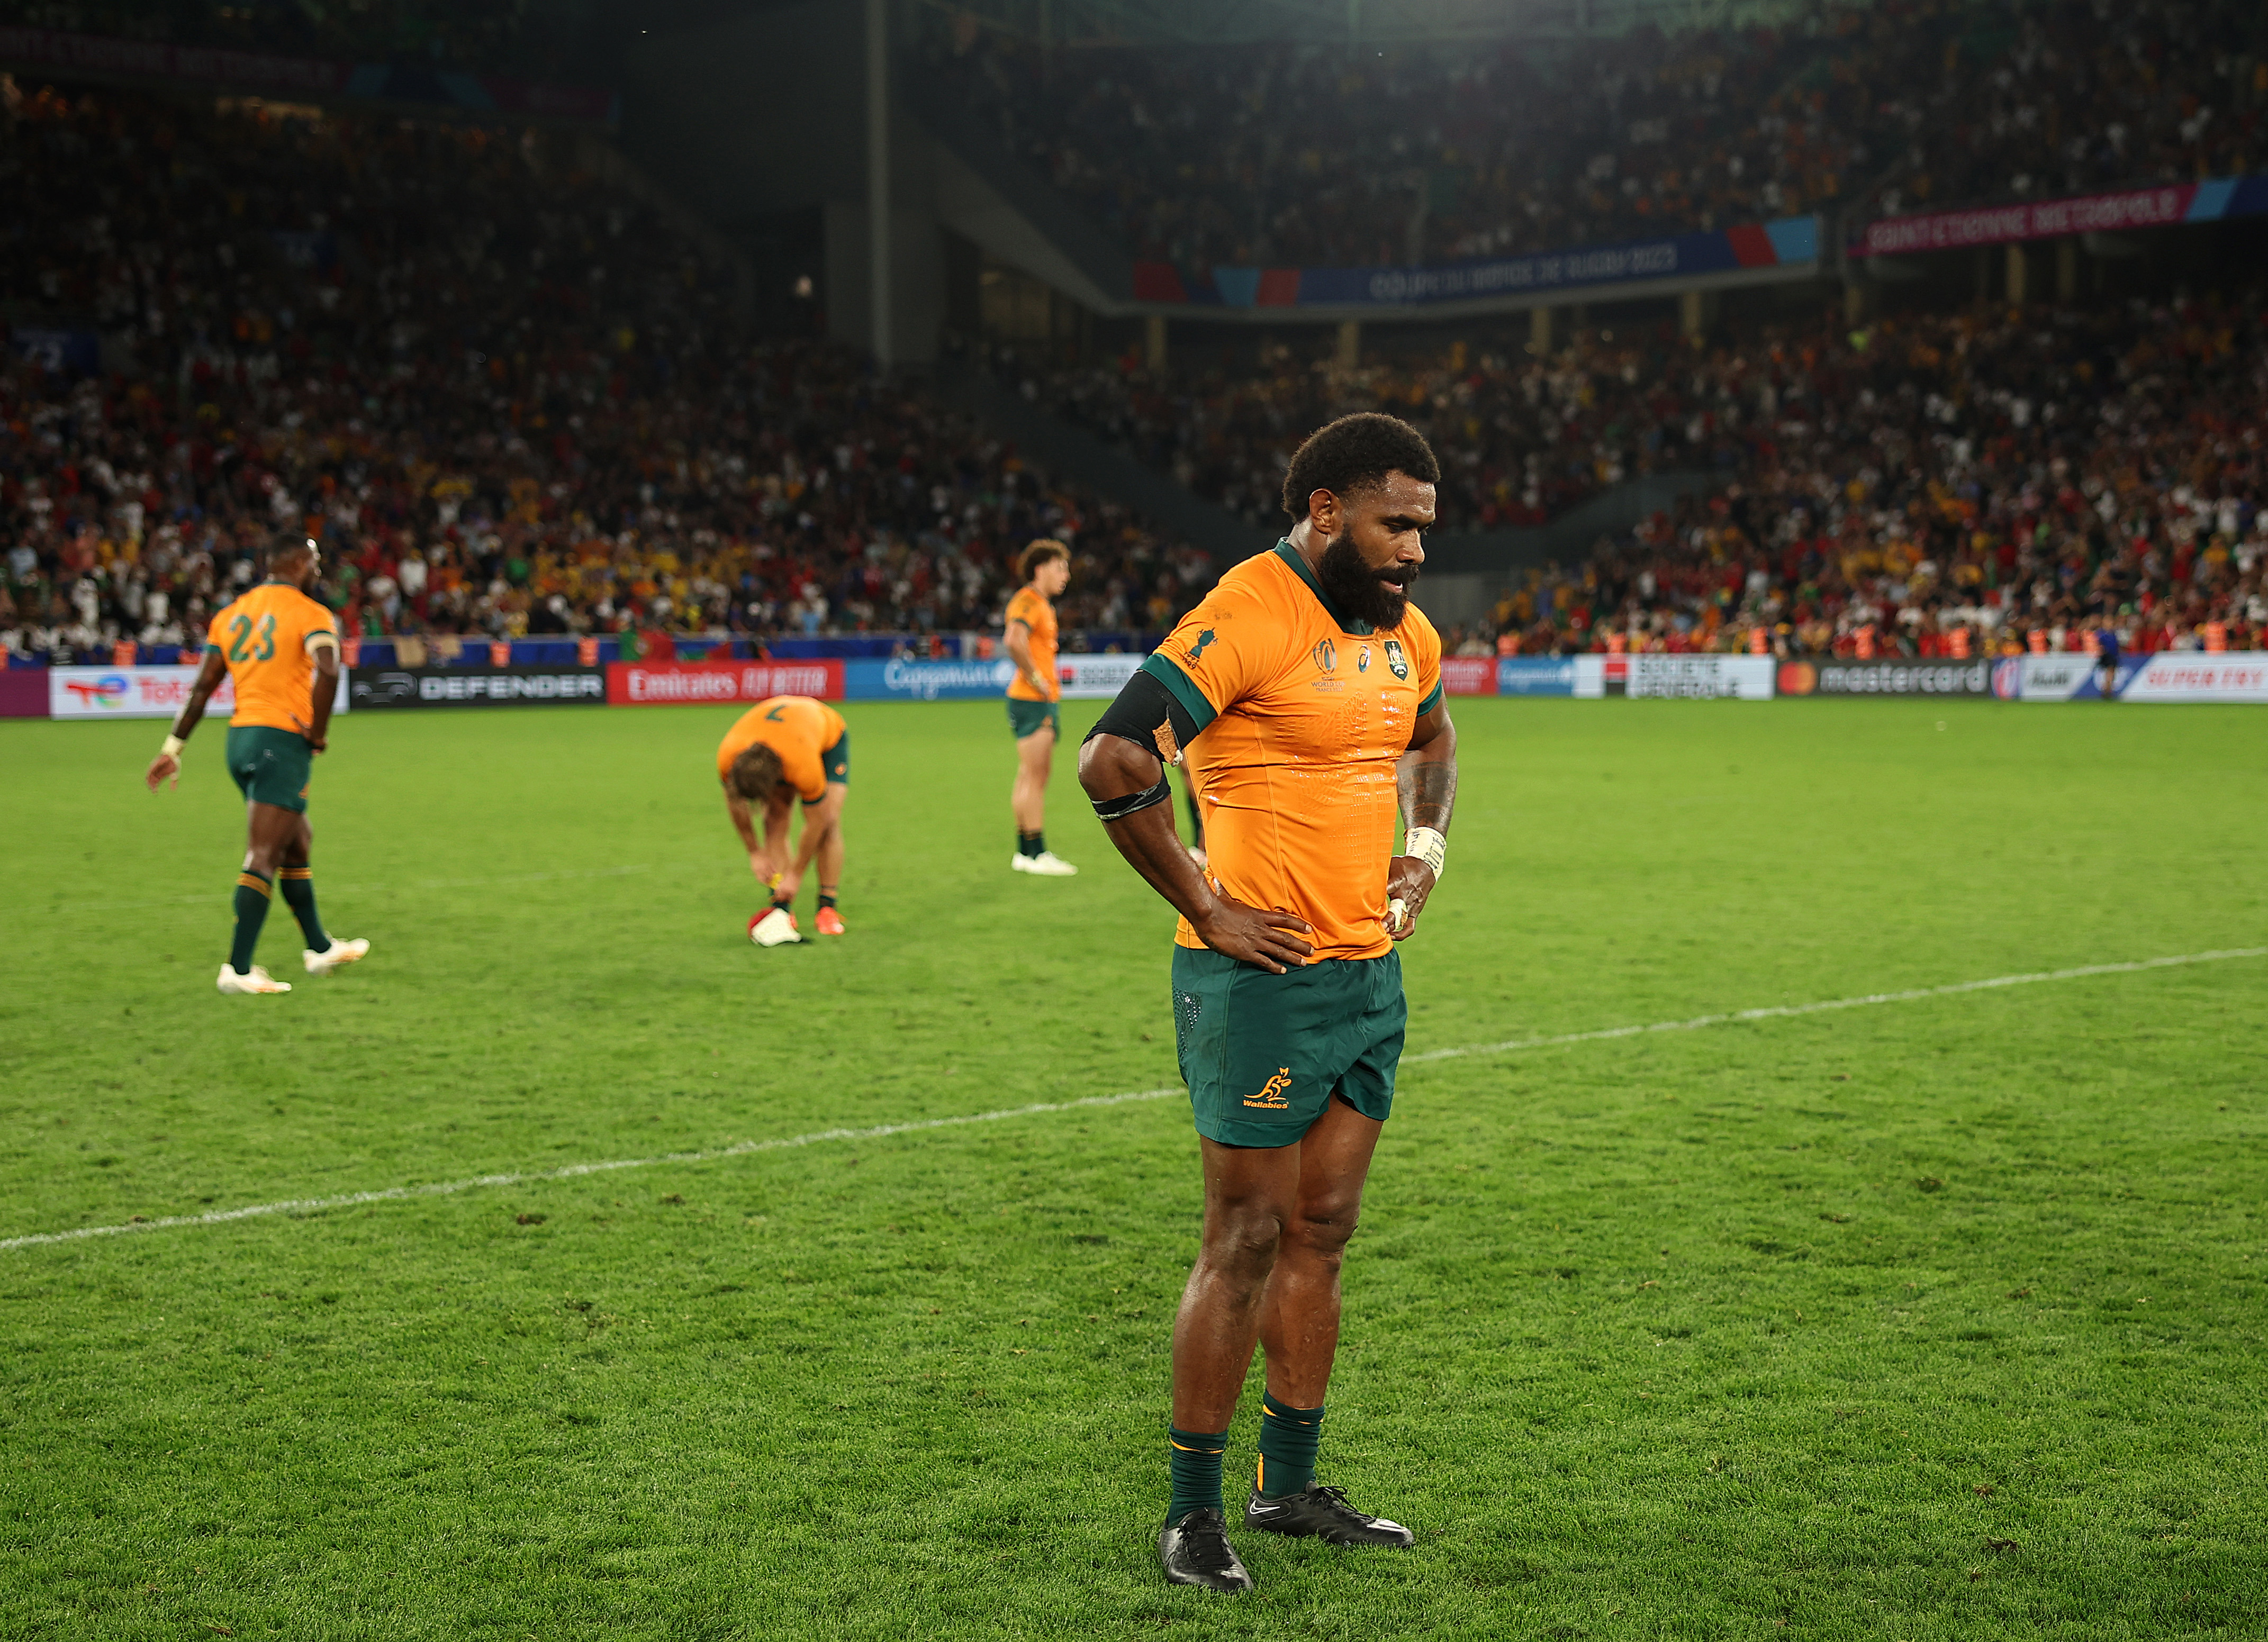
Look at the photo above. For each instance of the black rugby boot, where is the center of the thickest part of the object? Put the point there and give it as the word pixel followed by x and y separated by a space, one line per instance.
pixel 1195 1551
pixel 1323 1513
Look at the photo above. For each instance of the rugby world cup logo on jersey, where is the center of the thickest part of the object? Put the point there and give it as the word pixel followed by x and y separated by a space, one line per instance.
pixel 1396 659
pixel 1326 656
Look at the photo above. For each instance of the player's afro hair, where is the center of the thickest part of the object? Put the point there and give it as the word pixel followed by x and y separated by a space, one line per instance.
pixel 1346 455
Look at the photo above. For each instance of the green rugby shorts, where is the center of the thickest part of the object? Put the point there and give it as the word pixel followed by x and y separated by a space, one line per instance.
pixel 1030 717
pixel 1262 1054
pixel 270 766
pixel 835 761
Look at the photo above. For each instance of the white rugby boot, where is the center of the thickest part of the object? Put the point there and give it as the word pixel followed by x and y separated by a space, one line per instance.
pixel 775 928
pixel 250 983
pixel 1046 864
pixel 341 953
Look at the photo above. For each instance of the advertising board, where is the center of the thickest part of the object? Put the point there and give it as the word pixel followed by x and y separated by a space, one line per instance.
pixel 1698 677
pixel 141 692
pixel 1896 676
pixel 927 680
pixel 1538 675
pixel 1094 678
pixel 690 683
pixel 1469 675
pixel 391 689
pixel 2189 675
pixel 2062 677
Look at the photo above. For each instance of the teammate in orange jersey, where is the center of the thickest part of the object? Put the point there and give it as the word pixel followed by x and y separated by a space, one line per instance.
pixel 783 749
pixel 1034 702
pixel 282 650
pixel 1305 695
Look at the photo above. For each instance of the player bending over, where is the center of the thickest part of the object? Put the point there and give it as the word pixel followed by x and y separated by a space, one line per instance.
pixel 1305 694
pixel 1035 701
pixel 280 647
pixel 784 750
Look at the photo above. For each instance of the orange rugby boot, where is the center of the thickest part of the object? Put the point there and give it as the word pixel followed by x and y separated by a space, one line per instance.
pixel 830 922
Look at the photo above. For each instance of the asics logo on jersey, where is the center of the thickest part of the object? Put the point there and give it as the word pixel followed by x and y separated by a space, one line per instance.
pixel 1270 1097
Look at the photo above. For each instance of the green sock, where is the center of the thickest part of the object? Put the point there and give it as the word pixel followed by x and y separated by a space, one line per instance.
pixel 299 886
pixel 1288 1437
pixel 1196 1472
pixel 826 899
pixel 252 894
pixel 1031 843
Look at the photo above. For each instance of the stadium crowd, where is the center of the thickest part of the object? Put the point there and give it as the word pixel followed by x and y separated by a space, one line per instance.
pixel 507 394
pixel 513 398
pixel 1319 155
pixel 1934 484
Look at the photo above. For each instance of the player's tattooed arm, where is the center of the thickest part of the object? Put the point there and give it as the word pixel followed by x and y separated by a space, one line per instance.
pixel 1427 780
pixel 167 765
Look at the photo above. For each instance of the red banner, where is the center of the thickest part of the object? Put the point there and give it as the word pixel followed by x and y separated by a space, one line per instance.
pixel 1469 675
pixel 2042 219
pixel 684 683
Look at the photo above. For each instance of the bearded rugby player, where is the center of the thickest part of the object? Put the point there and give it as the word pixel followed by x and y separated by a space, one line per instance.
pixel 1305 695
pixel 282 649
pixel 782 749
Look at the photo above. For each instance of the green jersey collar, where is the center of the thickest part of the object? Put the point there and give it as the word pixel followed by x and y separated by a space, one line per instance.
pixel 1293 557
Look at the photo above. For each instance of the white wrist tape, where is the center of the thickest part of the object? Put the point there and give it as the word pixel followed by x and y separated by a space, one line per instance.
pixel 174 746
pixel 1428 846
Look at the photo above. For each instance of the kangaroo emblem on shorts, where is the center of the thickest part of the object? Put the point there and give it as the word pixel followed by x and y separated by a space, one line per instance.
pixel 1271 1092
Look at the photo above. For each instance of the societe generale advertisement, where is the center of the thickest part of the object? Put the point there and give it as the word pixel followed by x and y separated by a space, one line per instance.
pixel 697 683
pixel 142 692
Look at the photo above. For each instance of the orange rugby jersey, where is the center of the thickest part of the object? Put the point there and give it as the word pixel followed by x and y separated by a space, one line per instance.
pixel 1301 718
pixel 795 728
pixel 1037 614
pixel 264 638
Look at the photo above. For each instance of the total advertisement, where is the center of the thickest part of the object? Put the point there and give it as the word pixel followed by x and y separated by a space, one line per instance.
pixel 1896 676
pixel 141 692
pixel 396 688
pixel 693 683
pixel 1707 676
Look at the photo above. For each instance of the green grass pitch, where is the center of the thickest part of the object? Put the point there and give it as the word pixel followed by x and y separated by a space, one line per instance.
pixel 1930 1319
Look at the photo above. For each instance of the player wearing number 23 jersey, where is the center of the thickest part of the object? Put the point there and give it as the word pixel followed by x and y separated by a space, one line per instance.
pixel 280 648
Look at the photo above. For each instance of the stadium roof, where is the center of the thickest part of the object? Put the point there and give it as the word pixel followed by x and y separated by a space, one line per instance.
pixel 1076 23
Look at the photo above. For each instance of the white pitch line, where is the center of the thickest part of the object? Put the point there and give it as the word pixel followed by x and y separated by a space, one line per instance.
pixel 1783 1010
pixel 743 1148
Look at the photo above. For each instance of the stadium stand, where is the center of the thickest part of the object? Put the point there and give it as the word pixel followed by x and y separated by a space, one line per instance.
pixel 1314 155
pixel 507 394
pixel 1930 484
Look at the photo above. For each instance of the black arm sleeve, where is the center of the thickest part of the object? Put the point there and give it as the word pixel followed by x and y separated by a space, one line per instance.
pixel 1142 710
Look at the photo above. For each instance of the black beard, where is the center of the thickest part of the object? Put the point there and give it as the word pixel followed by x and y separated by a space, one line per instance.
pixel 1357 589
